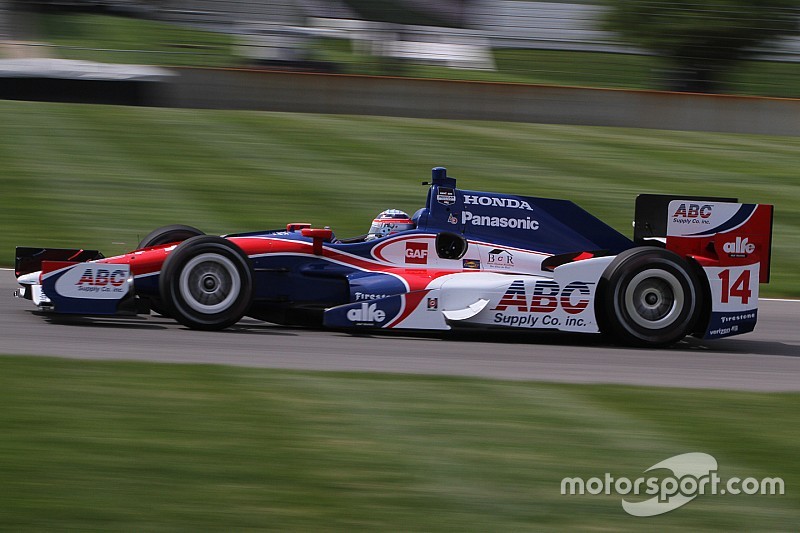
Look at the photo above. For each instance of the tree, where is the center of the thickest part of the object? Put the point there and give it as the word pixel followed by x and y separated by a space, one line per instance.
pixel 702 40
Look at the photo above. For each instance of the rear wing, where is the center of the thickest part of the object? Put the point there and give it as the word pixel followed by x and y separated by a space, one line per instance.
pixel 651 214
pixel 713 231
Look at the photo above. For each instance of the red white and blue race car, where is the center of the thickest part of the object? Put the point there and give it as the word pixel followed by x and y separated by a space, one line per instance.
pixel 466 259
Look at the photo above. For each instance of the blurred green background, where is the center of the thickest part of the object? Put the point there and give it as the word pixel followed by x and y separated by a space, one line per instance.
pixel 124 39
pixel 103 176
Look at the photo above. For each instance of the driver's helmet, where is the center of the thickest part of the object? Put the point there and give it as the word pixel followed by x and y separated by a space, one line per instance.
pixel 389 222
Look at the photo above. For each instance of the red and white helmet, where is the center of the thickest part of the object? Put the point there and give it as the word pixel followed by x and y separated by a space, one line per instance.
pixel 389 222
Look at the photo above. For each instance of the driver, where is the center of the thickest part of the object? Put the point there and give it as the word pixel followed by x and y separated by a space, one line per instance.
pixel 389 222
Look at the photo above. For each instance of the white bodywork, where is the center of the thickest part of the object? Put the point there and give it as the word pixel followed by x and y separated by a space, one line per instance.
pixel 563 301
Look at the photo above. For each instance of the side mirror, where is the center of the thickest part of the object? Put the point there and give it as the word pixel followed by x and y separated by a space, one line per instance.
pixel 450 245
pixel 318 235
pixel 295 226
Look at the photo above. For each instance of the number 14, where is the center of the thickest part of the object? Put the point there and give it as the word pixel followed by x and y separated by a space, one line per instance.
pixel 740 288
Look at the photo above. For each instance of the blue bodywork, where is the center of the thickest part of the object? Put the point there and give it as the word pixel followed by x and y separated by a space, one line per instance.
pixel 543 224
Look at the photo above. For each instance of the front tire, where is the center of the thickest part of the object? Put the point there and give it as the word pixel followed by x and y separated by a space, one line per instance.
pixel 168 235
pixel 207 283
pixel 648 297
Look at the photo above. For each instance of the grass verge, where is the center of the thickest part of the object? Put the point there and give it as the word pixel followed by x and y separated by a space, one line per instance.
pixel 117 39
pixel 136 446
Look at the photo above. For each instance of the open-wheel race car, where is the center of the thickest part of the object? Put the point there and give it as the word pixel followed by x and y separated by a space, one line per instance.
pixel 466 259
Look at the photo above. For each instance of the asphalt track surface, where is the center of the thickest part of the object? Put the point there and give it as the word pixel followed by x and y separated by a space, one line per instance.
pixel 765 360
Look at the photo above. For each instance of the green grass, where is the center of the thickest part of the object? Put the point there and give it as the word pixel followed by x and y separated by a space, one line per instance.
pixel 116 39
pixel 147 447
pixel 582 69
pixel 93 176
pixel 547 67
pixel 587 69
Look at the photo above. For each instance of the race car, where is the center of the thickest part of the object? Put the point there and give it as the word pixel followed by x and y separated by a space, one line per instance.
pixel 465 259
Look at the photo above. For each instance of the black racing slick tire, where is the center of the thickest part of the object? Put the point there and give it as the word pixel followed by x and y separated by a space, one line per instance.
pixel 169 234
pixel 648 297
pixel 207 283
pixel 166 235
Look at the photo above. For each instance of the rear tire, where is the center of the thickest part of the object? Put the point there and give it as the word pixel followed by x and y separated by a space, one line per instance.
pixel 648 297
pixel 207 283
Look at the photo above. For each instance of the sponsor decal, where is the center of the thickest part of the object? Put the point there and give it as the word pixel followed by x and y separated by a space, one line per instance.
pixel 500 259
pixel 738 317
pixel 495 201
pixel 739 248
pixel 514 296
pixel 499 222
pixel 369 296
pixel 547 296
pixel 97 280
pixel 471 264
pixel 446 196
pixel 367 313
pixel 433 304
pixel 452 219
pixel 692 214
pixel 417 253
pixel 704 219
pixel 722 324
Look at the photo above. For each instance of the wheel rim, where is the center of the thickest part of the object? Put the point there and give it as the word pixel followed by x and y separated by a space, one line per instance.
pixel 209 283
pixel 654 299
